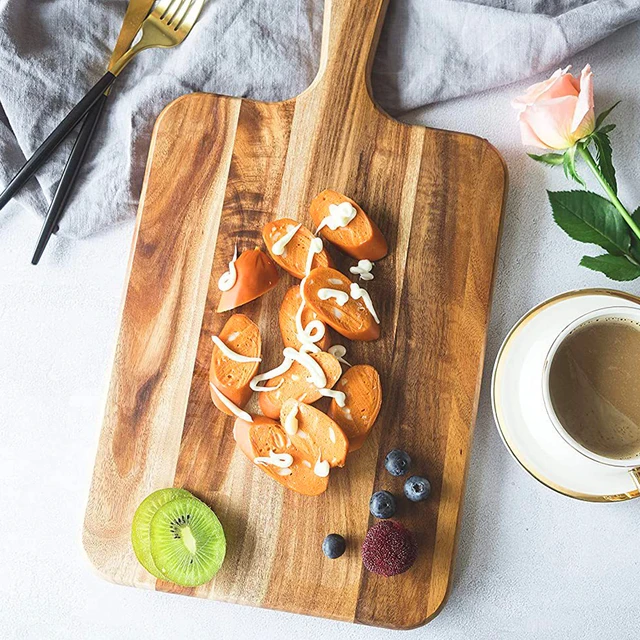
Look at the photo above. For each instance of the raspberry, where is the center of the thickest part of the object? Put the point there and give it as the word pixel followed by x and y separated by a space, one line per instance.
pixel 389 549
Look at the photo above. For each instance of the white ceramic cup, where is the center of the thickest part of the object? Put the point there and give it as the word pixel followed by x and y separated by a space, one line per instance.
pixel 613 313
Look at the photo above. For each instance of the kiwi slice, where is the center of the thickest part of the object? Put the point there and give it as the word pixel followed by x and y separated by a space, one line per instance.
pixel 140 528
pixel 187 542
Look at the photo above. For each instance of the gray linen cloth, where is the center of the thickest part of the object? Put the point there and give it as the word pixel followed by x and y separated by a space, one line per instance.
pixel 52 51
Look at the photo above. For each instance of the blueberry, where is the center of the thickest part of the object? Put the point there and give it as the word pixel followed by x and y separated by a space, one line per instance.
pixel 333 546
pixel 382 504
pixel 397 462
pixel 417 488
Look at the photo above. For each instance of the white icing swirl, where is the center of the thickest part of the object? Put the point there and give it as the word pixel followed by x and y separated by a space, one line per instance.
pixel 279 245
pixel 363 269
pixel 339 352
pixel 232 355
pixel 338 396
pixel 318 378
pixel 315 246
pixel 321 468
pixel 340 215
pixel 341 297
pixel 228 278
pixel 358 292
pixel 290 423
pixel 236 410
pixel 280 460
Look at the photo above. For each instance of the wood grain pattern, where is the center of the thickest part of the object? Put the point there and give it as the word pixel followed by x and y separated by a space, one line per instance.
pixel 219 168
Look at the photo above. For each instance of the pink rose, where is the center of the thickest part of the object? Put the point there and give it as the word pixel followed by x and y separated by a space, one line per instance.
pixel 558 112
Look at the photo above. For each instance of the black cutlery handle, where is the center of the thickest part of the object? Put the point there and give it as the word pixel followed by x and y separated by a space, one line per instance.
pixel 69 175
pixel 42 153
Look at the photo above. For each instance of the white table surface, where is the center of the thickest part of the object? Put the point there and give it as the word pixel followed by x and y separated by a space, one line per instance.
pixel 531 563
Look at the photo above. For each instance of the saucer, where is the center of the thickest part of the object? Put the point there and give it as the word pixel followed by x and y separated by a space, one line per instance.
pixel 519 410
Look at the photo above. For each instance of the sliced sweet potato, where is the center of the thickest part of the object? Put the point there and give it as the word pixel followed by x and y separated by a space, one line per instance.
pixel 361 238
pixel 257 274
pixel 287 318
pixel 263 435
pixel 352 320
pixel 318 435
pixel 295 384
pixel 361 385
pixel 232 378
pixel 294 258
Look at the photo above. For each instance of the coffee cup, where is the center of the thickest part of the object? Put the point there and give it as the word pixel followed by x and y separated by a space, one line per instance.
pixel 589 388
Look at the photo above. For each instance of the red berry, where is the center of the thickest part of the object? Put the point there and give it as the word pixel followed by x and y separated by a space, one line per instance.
pixel 389 549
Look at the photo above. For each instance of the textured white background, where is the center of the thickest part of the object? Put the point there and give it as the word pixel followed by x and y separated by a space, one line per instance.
pixel 531 563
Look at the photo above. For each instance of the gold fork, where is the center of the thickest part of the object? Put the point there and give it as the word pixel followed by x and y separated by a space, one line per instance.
pixel 166 26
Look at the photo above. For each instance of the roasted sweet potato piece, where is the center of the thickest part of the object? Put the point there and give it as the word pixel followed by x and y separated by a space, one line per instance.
pixel 257 274
pixel 230 377
pixel 317 434
pixel 293 259
pixel 259 438
pixel 361 385
pixel 287 319
pixel 361 238
pixel 295 384
pixel 352 319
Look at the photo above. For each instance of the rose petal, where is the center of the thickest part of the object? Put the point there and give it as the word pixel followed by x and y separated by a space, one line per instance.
pixel 528 135
pixel 560 84
pixel 551 121
pixel 583 121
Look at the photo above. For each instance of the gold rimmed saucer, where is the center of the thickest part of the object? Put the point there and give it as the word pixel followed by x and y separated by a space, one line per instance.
pixel 518 406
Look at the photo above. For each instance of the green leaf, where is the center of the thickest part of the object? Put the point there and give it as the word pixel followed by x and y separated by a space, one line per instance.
pixel 605 114
pixel 635 243
pixel 608 128
pixel 569 165
pixel 548 158
pixel 614 267
pixel 604 158
pixel 588 217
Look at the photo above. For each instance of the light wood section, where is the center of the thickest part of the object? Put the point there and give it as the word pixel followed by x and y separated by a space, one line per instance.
pixel 220 168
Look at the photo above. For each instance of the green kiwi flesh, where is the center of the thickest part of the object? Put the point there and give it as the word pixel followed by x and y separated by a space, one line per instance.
pixel 141 525
pixel 187 542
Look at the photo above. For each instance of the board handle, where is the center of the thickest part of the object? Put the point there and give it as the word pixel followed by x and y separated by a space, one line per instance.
pixel 349 38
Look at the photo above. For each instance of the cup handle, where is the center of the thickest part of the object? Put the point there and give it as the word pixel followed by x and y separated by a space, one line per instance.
pixel 635 474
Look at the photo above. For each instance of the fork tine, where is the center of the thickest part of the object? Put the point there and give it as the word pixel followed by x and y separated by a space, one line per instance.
pixel 192 15
pixel 160 7
pixel 170 13
pixel 180 13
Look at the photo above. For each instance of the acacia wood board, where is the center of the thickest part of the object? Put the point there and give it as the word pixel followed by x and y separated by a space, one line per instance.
pixel 218 169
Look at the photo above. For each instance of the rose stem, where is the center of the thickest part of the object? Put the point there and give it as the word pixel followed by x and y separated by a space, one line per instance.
pixel 588 158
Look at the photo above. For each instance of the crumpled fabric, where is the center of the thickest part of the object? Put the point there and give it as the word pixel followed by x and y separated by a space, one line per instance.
pixel 52 51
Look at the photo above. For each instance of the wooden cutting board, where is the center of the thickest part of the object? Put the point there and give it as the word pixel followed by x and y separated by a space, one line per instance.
pixel 218 169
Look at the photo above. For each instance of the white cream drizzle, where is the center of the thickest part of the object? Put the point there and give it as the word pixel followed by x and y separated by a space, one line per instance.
pixel 315 246
pixel 228 278
pixel 318 378
pixel 291 421
pixel 338 396
pixel 313 332
pixel 254 385
pixel 339 352
pixel 236 410
pixel 280 245
pixel 232 355
pixel 358 292
pixel 363 269
pixel 280 460
pixel 340 215
pixel 321 468
pixel 341 297
pixel 332 435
